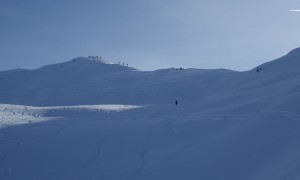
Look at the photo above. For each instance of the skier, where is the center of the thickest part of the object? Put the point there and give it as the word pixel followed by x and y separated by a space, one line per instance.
pixel 176 102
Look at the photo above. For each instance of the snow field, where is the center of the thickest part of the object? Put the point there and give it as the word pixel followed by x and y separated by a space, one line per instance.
pixel 228 125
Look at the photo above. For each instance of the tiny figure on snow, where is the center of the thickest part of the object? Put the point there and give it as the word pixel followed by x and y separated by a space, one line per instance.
pixel 176 102
pixel 258 69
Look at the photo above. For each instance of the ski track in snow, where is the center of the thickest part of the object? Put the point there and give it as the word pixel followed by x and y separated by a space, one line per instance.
pixel 234 117
pixel 5 168
pixel 289 115
pixel 180 150
pixel 55 132
pixel 97 156
pixel 294 175
pixel 143 154
pixel 141 166
pixel 173 132
pixel 3 163
pixel 172 129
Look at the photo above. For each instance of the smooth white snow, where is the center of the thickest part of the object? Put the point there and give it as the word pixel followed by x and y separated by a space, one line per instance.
pixel 16 114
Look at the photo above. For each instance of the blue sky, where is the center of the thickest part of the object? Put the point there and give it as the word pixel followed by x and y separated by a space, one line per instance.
pixel 148 34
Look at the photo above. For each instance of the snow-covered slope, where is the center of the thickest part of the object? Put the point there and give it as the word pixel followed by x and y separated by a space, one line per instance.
pixel 111 122
pixel 286 64
pixel 82 81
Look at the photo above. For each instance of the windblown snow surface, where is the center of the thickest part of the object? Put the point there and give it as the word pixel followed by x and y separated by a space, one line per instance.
pixel 86 119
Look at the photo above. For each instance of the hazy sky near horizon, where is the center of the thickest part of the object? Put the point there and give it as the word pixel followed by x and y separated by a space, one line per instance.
pixel 148 34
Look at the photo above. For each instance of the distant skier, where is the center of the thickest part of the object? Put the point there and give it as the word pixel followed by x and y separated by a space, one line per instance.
pixel 258 69
pixel 176 102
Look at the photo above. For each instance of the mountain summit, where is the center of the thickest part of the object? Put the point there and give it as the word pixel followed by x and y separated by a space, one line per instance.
pixel 86 65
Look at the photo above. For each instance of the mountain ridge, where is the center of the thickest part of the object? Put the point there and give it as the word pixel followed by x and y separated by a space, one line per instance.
pixel 83 81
